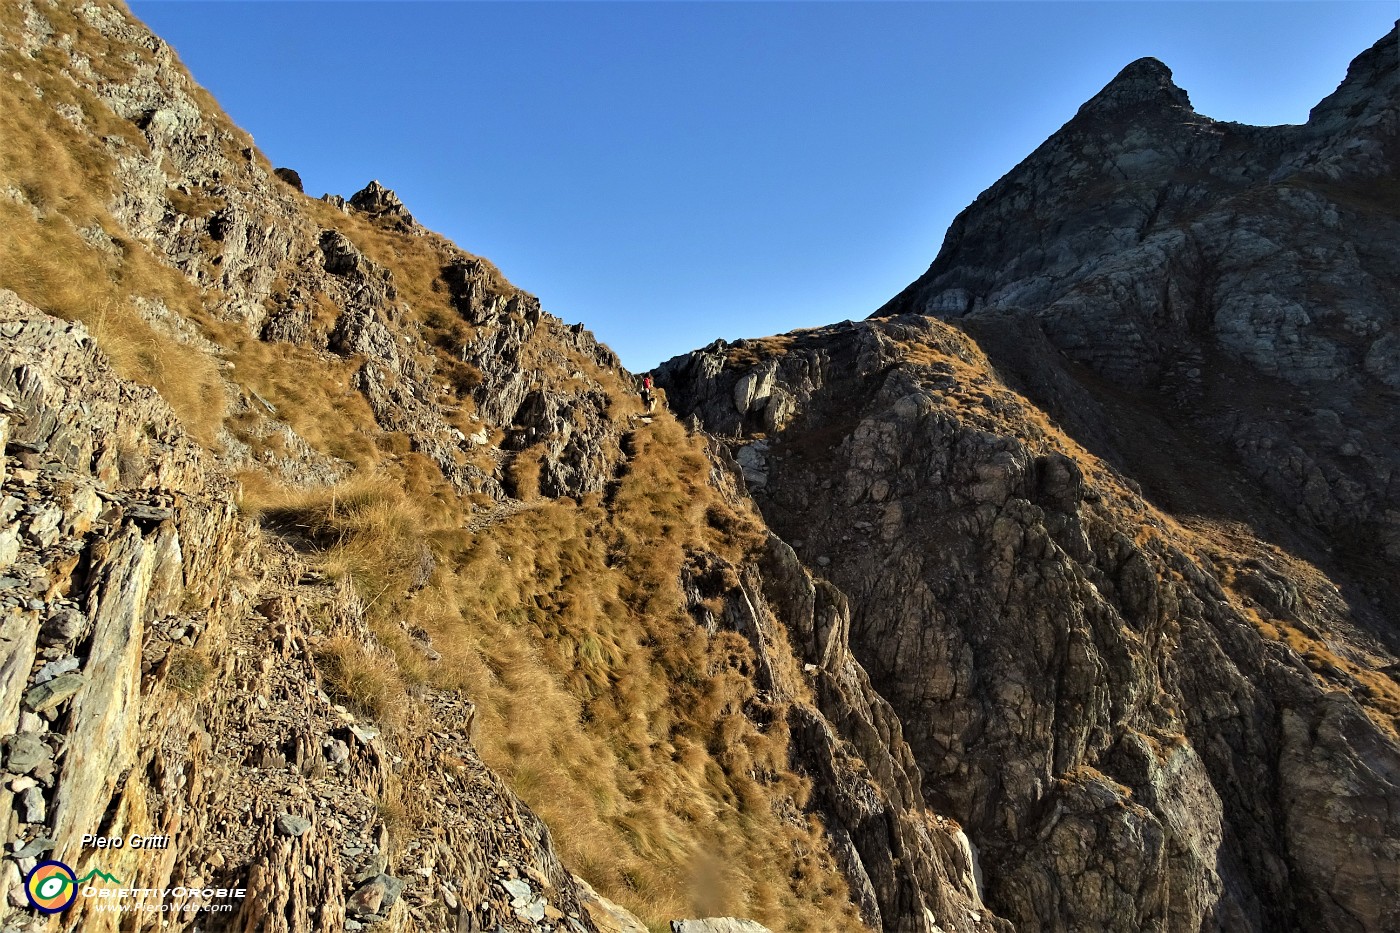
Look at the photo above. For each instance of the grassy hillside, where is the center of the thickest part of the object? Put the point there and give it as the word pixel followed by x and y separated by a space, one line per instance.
pixel 637 733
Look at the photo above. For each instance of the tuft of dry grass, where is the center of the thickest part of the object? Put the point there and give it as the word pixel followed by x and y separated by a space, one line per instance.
pixel 188 671
pixel 365 530
pixel 366 681
pixel 313 393
pixel 751 352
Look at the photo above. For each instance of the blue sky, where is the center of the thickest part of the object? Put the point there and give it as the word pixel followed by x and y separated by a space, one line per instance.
pixel 673 172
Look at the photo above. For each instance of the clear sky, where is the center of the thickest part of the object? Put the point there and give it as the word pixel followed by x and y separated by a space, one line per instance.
pixel 673 172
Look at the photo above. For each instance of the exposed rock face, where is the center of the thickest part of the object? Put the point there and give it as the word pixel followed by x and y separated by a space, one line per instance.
pixel 909 870
pixel 1111 703
pixel 271 267
pixel 1234 285
pixel 1128 712
pixel 381 203
pixel 164 665
pixel 193 710
pixel 291 176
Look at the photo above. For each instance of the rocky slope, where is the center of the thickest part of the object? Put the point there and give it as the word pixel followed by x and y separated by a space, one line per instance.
pixel 329 555
pixel 1144 652
pixel 1234 286
pixel 176 692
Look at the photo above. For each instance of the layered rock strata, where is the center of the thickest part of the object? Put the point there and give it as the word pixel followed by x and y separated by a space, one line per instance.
pixel 1141 723
pixel 1234 285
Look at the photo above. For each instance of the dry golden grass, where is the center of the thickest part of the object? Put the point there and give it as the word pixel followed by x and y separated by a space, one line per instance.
pixel 522 479
pixel 366 681
pixel 188 671
pixel 637 736
pixel 632 732
pixel 662 793
pixel 54 181
pixel 1377 694
pixel 750 352
pixel 1088 774
pixel 313 393
pixel 1337 663
pixel 365 530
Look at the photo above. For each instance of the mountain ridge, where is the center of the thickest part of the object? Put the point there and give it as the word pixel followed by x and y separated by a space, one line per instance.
pixel 1137 279
pixel 403 613
pixel 403 551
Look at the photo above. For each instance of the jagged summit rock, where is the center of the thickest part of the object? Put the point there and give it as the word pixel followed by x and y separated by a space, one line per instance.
pixel 291 176
pixel 1143 88
pixel 1235 285
pixel 382 203
pixel 1367 96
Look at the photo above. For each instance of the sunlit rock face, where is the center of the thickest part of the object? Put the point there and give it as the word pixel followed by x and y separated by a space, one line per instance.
pixel 1112 493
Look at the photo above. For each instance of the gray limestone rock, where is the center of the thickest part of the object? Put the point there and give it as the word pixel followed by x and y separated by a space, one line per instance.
pixel 292 825
pixel 51 693
pixel 62 626
pixel 34 848
pixel 24 752
pixel 375 898
pixel 718 925
pixel 55 668
pixel 33 807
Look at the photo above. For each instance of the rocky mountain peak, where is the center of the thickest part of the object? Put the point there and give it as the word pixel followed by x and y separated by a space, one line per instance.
pixel 1145 86
pixel 1368 94
pixel 382 203
pixel 1162 353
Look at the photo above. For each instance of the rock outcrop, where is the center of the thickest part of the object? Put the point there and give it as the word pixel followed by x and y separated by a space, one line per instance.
pixel 223 627
pixel 908 869
pixel 1229 287
pixel 1111 702
pixel 160 680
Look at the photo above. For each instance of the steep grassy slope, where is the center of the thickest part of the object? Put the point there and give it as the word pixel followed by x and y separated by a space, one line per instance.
pixel 463 526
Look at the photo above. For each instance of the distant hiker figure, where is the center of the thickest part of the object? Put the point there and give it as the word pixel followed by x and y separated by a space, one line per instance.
pixel 648 396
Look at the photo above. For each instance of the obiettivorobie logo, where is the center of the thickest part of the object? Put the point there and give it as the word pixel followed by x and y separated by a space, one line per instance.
pixel 52 887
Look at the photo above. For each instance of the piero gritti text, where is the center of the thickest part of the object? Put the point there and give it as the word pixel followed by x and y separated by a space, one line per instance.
pixel 133 841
